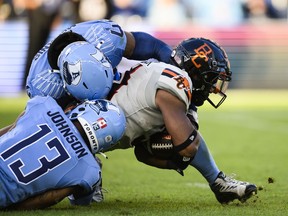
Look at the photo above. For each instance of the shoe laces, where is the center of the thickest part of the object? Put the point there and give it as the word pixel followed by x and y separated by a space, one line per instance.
pixel 231 180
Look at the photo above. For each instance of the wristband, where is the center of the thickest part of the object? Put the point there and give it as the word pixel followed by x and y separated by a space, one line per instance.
pixel 187 142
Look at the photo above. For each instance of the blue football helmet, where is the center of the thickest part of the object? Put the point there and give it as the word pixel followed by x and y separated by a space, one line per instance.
pixel 85 71
pixel 103 122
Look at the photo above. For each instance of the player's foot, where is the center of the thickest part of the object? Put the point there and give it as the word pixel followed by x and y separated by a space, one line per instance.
pixel 227 189
pixel 98 194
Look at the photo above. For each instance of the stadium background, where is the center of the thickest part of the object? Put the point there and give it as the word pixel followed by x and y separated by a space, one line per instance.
pixel 247 136
pixel 256 45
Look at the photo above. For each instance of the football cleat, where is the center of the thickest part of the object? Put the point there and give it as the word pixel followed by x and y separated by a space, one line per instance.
pixel 227 189
pixel 98 194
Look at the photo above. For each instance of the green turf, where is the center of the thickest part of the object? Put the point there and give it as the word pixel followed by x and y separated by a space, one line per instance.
pixel 247 136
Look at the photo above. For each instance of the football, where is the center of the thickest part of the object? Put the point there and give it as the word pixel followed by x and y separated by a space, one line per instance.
pixel 160 145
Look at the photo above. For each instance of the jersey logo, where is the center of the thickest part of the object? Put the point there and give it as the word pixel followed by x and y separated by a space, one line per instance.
pixel 202 52
pixel 181 81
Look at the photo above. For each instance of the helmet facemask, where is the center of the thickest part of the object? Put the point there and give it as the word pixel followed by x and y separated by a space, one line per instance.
pixel 216 87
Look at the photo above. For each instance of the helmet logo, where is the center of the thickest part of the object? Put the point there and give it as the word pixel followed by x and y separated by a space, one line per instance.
pixel 101 58
pixel 201 52
pixel 72 73
pixel 103 106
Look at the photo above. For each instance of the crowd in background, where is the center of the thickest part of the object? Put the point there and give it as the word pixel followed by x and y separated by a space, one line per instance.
pixel 44 15
pixel 159 13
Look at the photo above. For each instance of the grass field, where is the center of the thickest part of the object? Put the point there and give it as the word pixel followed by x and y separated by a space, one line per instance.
pixel 247 135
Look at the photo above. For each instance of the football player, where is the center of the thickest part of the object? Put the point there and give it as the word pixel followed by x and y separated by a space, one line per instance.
pixel 48 154
pixel 59 65
pixel 156 95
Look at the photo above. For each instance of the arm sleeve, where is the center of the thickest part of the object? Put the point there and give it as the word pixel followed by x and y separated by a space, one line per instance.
pixel 147 46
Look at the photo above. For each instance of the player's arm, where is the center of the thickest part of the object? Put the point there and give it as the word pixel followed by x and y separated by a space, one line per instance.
pixel 44 200
pixel 144 156
pixel 143 46
pixel 9 127
pixel 184 135
pixel 5 129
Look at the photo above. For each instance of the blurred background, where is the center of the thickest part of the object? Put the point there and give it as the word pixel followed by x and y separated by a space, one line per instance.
pixel 253 32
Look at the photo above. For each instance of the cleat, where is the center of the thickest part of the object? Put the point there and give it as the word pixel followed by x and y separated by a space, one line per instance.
pixel 98 193
pixel 227 189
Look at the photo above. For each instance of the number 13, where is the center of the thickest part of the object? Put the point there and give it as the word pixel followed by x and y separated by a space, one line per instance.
pixel 46 164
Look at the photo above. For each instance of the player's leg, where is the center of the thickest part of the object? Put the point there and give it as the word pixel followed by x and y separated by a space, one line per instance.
pixel 204 162
pixel 226 189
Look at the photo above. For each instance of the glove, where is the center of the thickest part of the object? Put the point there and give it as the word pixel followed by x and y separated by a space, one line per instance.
pixel 180 161
pixel 172 165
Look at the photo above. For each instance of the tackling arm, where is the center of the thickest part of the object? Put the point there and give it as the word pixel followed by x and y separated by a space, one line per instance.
pixel 143 46
pixel 9 127
pixel 44 200
pixel 5 129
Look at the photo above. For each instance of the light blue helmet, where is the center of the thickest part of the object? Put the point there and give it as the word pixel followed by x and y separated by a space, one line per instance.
pixel 85 71
pixel 103 122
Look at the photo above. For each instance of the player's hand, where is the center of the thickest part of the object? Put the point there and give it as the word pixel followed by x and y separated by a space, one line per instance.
pixel 172 165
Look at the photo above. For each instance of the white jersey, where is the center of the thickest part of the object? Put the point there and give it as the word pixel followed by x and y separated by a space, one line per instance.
pixel 136 96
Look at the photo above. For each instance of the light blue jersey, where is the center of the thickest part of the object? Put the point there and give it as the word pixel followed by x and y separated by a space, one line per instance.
pixel 44 151
pixel 104 34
